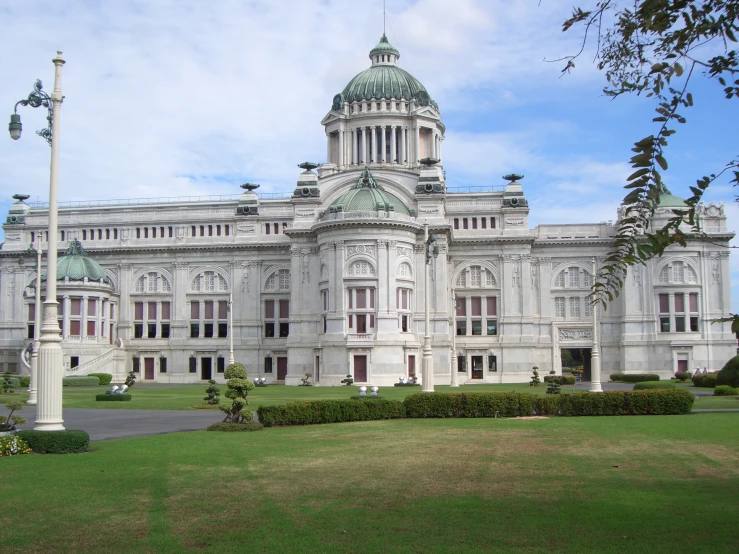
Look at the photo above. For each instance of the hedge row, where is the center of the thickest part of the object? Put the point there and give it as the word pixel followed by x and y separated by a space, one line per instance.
pixel 707 381
pixel 103 378
pixel 649 385
pixel 561 379
pixel 25 381
pixel 725 390
pixel 56 442
pixel 481 404
pixel 633 377
pixel 125 397
pixel 80 382
pixel 329 411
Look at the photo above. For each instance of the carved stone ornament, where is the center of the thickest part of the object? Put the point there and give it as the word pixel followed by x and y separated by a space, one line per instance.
pixel 307 192
pixel 575 334
pixel 247 210
pixel 515 202
pixel 15 220
pixel 430 188
pixel 360 249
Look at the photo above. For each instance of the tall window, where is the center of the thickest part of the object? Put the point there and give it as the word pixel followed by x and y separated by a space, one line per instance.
pixel 151 320
pixel 361 310
pixel 405 307
pixel 276 318
pixel 324 308
pixel 680 314
pixel 208 319
pixel 476 315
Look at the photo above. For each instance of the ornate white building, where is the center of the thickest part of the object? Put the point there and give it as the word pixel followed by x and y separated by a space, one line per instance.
pixel 329 280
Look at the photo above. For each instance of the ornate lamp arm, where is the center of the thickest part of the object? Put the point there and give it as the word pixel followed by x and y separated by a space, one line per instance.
pixel 38 98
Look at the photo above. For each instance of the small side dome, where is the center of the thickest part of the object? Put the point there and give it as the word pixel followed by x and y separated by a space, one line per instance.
pixel 669 200
pixel 368 196
pixel 76 266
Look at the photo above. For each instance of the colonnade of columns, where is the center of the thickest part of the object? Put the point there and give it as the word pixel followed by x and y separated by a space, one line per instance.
pixel 383 144
pixel 92 308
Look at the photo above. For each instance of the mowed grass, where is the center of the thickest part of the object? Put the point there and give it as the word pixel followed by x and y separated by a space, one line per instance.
pixel 620 484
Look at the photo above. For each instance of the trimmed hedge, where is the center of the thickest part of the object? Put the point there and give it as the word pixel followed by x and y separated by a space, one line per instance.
pixel 56 442
pixel 633 377
pixel 707 381
pixel 25 381
pixel 125 397
pixel 470 404
pixel 235 427
pixel 729 374
pixel 80 382
pixel 407 385
pixel 649 385
pixel 329 411
pixel 725 390
pixel 683 375
pixel 15 382
pixel 561 379
pixel 103 378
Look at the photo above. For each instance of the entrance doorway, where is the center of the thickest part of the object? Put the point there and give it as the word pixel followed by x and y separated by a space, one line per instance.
pixel 281 368
pixel 149 369
pixel 573 358
pixel 360 368
pixel 206 368
pixel 477 367
pixel 411 366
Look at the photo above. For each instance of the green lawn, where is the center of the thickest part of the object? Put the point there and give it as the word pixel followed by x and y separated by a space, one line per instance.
pixel 620 484
pixel 716 402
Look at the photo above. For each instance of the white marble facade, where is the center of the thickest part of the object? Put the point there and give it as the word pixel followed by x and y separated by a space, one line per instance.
pixel 330 289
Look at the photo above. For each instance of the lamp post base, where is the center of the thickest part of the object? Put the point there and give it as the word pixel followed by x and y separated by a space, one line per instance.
pixel 427 371
pixel 50 374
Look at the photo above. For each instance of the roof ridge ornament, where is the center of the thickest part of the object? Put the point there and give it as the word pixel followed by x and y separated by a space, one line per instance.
pixel 367 180
pixel 75 249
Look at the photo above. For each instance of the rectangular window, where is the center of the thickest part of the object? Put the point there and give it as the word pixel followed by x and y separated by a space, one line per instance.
pixel 492 305
pixel 135 368
pixel 284 329
pixel 223 330
pixel 166 311
pixel 194 310
pixel 151 308
pixel 324 300
pixel 351 322
pixel 694 323
pixel 325 324
pixel 664 324
pixel 477 327
pixel 680 324
pixel 193 232
pixel 575 307
pixel 268 365
pixel 193 364
pixel 165 330
pixel 152 330
pixel 269 309
pixel 461 307
pixel 404 324
pixel 74 327
pixel 679 303
pixel 492 223
pixel 138 309
pixel 492 325
pixel 194 330
pixel 90 328
pixel 456 223
pixel 693 302
pixel 284 309
pixel 222 309
pixel 208 330
pixel 461 327
pixel 32 312
pixel 208 310
pixel 91 305
pixel 464 222
pixel 138 331
pixel 559 307
pixel 351 297
pixel 76 306
pixel 361 323
pixel 404 298
pixel 474 223
pixel 664 304
pixel 476 304
pixel 31 329
pixel 269 329
pixel 361 299
pixel 372 298
pixel 461 364
pixel 220 364
pixel 162 365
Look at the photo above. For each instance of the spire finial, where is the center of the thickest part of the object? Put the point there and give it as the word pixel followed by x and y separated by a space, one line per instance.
pixel 383 17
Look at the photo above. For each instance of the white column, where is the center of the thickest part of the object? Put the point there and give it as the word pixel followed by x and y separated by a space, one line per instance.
pixel 231 358
pixel 403 138
pixel 383 131
pixel 595 354
pixel 51 358
pixel 417 145
pixel 328 148
pixel 341 148
pixel 455 373
pixel 441 140
pixel 363 146
pixel 99 314
pixel 373 157
pixel 354 146
pixel 393 145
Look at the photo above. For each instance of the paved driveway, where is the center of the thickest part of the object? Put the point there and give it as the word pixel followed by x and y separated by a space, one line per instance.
pixel 113 424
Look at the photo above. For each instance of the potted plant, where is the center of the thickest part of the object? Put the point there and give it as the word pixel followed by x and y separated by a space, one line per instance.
pixel 8 422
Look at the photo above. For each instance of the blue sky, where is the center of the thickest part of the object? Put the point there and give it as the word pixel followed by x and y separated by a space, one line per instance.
pixel 184 97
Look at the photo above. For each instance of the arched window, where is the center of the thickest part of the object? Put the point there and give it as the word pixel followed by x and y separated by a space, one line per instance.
pixel 478 277
pixel 361 269
pixel 404 271
pixel 574 278
pixel 279 280
pixel 209 281
pixel 153 282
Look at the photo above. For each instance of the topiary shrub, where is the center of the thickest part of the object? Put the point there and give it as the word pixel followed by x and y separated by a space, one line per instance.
pixel 213 393
pixel 103 378
pixel 330 411
pixel 650 385
pixel 56 442
pixel 130 380
pixel 729 374
pixel 235 427
pixel 25 381
pixel 348 380
pixel 561 379
pixel 707 381
pixel 8 384
pixel 125 397
pixel 725 390
pixel 553 384
pixel 683 376
pixel 237 388
pixel 8 422
pixel 535 381
pixel 80 381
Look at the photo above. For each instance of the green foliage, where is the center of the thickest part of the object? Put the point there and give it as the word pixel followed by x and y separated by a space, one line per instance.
pixel 650 385
pixel 125 397
pixel 566 358
pixel 305 381
pixel 9 383
pixel 535 381
pixel 329 411
pixel 725 390
pixel 707 381
pixel 633 377
pixel 130 379
pixel 56 442
pixel 236 427
pixel 212 393
pixel 553 386
pixel 25 381
pixel 9 422
pixel 104 378
pixel 13 446
pixel 237 389
pixel 649 402
pixel 80 381
pixel 653 48
pixel 683 376
pixel 729 374
pixel 348 380
pixel 561 379
pixel 470 404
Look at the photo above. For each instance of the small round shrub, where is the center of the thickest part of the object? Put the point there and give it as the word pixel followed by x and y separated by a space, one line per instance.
pixel 561 379
pixel 80 381
pixel 56 442
pixel 707 381
pixel 25 381
pixel 650 385
pixel 683 376
pixel 725 390
pixel 235 427
pixel 729 374
pixel 235 371
pixel 103 378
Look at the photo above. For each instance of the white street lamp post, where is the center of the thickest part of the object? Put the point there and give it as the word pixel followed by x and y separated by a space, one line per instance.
pixel 455 373
pixel 595 355
pixel 50 355
pixel 432 252
pixel 231 359
pixel 33 383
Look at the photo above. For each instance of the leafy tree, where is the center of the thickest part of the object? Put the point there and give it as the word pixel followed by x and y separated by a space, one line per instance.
pixel 237 388
pixel 535 381
pixel 566 358
pixel 657 48
pixel 8 422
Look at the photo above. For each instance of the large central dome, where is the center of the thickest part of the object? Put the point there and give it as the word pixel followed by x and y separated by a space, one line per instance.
pixel 384 80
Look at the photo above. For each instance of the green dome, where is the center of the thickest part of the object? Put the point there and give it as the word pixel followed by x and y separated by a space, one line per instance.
pixel 368 196
pixel 669 200
pixel 383 81
pixel 76 265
